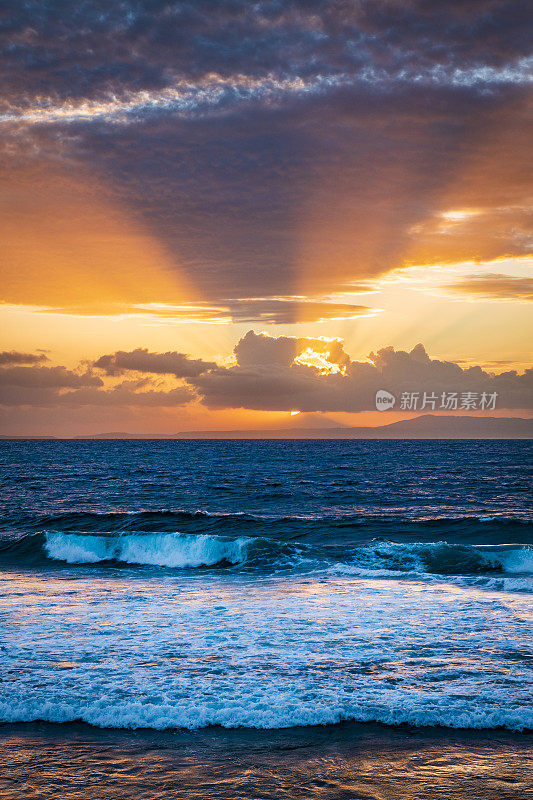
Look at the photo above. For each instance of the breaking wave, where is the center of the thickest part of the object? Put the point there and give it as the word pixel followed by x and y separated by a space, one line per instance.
pixel 157 549
pixel 269 710
pixel 501 567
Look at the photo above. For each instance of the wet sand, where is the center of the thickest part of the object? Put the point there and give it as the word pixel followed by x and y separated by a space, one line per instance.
pixel 366 761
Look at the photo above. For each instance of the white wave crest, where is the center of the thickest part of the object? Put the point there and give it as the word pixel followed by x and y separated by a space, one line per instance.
pixel 157 549
pixel 271 710
pixel 518 560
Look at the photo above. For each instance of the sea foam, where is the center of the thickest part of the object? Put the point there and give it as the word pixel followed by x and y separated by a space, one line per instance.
pixel 270 711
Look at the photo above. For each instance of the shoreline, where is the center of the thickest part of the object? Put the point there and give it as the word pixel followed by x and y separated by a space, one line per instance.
pixel 408 728
pixel 347 760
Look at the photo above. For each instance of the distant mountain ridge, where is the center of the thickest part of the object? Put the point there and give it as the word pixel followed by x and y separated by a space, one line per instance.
pixel 427 426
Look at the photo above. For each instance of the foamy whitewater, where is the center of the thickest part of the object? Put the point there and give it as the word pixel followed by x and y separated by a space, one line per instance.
pixel 315 582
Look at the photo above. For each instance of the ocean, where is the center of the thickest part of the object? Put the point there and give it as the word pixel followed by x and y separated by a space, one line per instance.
pixel 246 619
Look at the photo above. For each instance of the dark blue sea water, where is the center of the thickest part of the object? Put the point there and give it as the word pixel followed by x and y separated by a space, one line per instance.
pixel 266 584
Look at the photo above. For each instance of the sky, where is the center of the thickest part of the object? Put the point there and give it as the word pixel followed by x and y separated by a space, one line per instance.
pixel 214 215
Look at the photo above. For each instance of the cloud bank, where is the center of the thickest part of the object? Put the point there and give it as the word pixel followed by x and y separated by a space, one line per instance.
pixel 58 386
pixel 494 286
pixel 270 373
pixel 14 357
pixel 288 373
pixel 140 360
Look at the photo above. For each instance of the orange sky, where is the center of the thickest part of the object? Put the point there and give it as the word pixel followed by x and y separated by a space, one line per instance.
pixel 193 195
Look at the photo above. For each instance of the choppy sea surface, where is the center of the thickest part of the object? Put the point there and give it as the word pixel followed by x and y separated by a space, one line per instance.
pixel 268 620
pixel 266 585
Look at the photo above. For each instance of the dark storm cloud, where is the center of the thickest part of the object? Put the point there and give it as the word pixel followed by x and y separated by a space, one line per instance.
pixel 283 148
pixel 327 191
pixel 69 49
pixel 269 376
pixel 494 286
pixel 140 360
pixel 14 357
